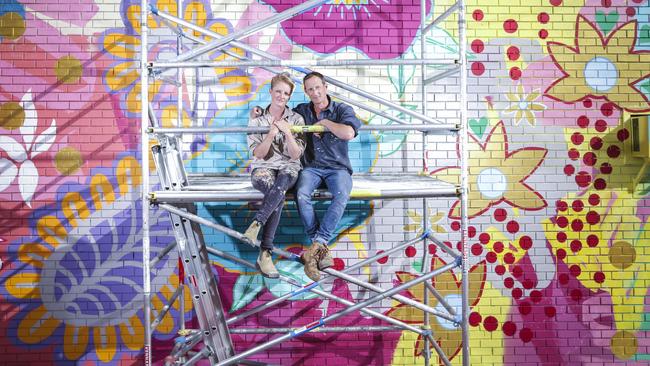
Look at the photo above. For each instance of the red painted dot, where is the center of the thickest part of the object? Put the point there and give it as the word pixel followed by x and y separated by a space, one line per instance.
pixel 471 231
pixel 576 245
pixel 526 335
pixel 498 247
pixel 594 199
pixel 561 205
pixel 509 328
pixel 459 246
pixel 491 257
pixel 382 260
pixel 513 53
pixel 607 109
pixel 583 121
pixel 592 240
pixel 555 2
pixel 525 242
pixel 600 125
pixel 528 283
pixel 515 73
pixel 510 26
pixel 587 103
pixel 589 159
pixel 477 15
pixel 583 179
pixel 576 295
pixel 638 1
pixel 509 282
pixel 536 296
pixel 432 249
pixel 600 184
pixel 517 271
pixel 577 138
pixel 410 251
pixel 599 277
pixel 517 293
pixel 577 205
pixel 593 217
pixel 477 249
pixel 512 226
pixel 573 154
pixel 525 308
pixel 630 11
pixel 484 238
pixel 475 319
pixel 561 237
pixel 613 151
pixel 509 258
pixel 477 46
pixel 606 3
pixel 478 68
pixel 543 34
pixel 563 278
pixel 455 225
pixel 596 143
pixel 606 168
pixel 575 270
pixel 500 214
pixel 623 135
pixel 569 170
pixel 339 265
pixel 549 311
pixel 500 270
pixel 577 225
pixel 562 222
pixel 490 323
pixel 543 17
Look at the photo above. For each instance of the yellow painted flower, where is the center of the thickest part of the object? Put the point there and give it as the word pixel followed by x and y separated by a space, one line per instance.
pixel 497 175
pixel 416 222
pixel 610 246
pixel 523 106
pixel 599 67
pixel 448 336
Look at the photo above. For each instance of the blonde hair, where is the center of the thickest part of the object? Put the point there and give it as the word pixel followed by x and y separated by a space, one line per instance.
pixel 283 77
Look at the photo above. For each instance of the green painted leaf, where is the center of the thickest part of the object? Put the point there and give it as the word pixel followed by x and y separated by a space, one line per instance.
pixel 417 265
pixel 608 21
pixel 292 270
pixel 478 126
pixel 245 290
pixel 401 75
pixel 644 35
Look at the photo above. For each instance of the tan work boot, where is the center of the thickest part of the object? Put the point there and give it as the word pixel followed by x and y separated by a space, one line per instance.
pixel 310 260
pixel 252 231
pixel 265 264
pixel 325 259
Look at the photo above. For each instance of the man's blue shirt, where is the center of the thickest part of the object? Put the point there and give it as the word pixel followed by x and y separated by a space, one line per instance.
pixel 328 151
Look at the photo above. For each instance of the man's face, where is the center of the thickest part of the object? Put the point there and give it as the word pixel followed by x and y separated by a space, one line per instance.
pixel 316 90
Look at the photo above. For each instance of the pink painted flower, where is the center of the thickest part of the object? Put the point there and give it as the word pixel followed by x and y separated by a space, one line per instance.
pixel 381 29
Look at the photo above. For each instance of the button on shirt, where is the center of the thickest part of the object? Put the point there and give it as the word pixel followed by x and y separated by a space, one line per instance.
pixel 328 151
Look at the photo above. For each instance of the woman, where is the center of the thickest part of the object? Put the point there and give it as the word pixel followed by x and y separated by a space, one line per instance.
pixel 275 166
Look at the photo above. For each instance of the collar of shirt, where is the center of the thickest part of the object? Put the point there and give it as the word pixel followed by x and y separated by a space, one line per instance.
pixel 330 107
pixel 285 114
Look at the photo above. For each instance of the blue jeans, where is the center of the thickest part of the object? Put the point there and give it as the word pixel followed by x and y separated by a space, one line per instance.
pixel 339 184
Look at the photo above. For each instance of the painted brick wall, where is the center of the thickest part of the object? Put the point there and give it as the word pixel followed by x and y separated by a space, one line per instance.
pixel 558 245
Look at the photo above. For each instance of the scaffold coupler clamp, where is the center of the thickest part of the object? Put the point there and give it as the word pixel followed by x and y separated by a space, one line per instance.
pixel 427 234
pixel 459 261
pixel 458 320
pixel 426 330
pixel 153 9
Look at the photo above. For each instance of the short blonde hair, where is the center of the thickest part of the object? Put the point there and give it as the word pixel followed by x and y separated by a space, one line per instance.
pixel 283 77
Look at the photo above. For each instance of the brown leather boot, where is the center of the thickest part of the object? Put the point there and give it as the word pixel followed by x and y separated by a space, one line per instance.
pixel 310 260
pixel 325 259
pixel 265 264
pixel 252 231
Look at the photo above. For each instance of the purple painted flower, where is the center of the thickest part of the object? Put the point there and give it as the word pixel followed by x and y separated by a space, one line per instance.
pixel 381 29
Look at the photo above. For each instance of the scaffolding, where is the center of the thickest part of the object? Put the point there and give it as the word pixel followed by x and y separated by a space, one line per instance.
pixel 179 192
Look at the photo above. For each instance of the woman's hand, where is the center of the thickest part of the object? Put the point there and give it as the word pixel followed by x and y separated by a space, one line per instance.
pixel 283 126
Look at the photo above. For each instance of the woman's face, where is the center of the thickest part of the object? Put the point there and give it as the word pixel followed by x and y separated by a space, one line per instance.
pixel 280 94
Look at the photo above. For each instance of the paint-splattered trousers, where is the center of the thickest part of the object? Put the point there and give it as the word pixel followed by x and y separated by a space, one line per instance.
pixel 274 184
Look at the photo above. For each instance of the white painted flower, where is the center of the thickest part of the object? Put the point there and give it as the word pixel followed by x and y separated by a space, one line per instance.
pixel 20 162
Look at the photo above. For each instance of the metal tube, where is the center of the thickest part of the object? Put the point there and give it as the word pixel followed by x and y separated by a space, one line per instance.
pixel 197 357
pixel 317 330
pixel 441 300
pixel 441 353
pixel 162 254
pixel 443 247
pixel 304 129
pixel 275 19
pixel 166 308
pixel 301 63
pixel 303 70
pixel 335 316
pixel 312 287
pixel 441 18
pixel 442 75
pixel 226 230
pixel 144 155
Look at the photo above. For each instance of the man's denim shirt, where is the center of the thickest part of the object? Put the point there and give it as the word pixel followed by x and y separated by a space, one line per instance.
pixel 328 151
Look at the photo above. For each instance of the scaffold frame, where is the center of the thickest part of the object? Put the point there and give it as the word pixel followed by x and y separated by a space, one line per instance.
pixel 178 199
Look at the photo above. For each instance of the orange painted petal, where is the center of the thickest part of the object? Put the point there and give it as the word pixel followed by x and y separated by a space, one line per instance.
pixel 24 285
pixel 37 325
pixel 407 314
pixel 34 254
pixel 76 341
pixel 105 343
pixel 132 333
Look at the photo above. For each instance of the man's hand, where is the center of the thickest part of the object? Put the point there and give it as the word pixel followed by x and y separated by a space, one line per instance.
pixel 255 112
pixel 283 126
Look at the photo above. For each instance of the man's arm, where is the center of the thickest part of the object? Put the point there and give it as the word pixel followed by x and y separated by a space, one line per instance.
pixel 344 132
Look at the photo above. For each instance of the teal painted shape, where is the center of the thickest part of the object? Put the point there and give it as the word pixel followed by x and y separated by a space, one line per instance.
pixel 607 21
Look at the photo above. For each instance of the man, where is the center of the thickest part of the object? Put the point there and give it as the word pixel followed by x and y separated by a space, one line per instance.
pixel 325 161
